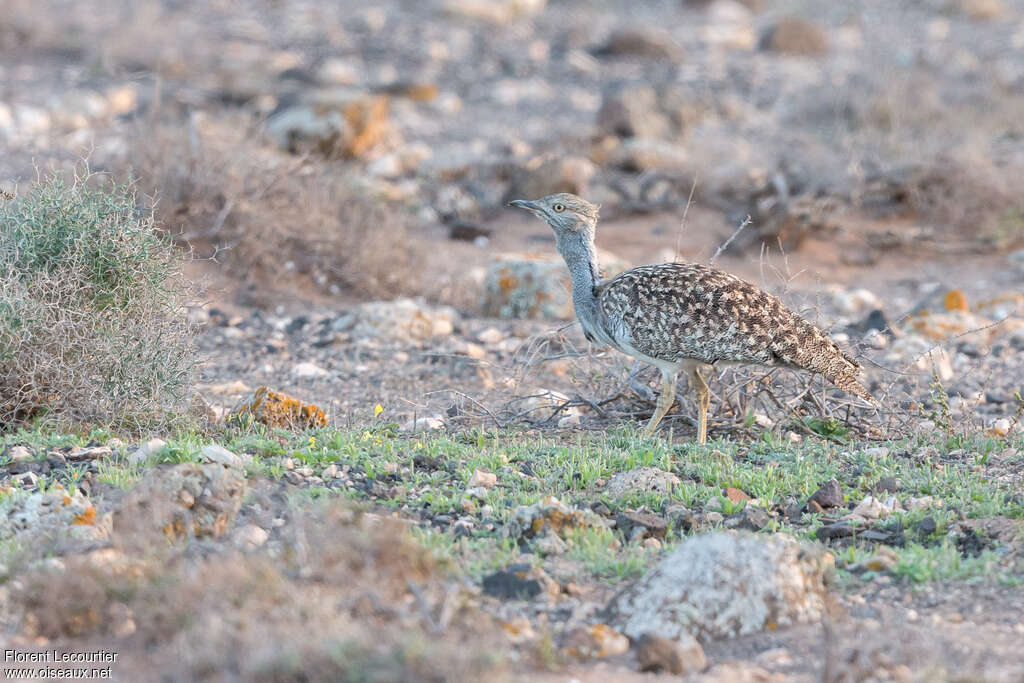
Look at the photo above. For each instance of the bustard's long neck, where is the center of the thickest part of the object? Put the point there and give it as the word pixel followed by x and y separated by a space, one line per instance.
pixel 580 256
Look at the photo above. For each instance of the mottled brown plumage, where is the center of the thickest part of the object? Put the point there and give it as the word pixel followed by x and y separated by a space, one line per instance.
pixel 685 316
pixel 680 311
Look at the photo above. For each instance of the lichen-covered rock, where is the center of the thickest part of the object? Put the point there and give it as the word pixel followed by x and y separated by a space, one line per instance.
pixel 399 320
pixel 550 516
pixel 50 513
pixel 595 641
pixel 279 410
pixel 534 286
pixel 186 500
pixel 640 480
pixel 336 122
pixel 724 585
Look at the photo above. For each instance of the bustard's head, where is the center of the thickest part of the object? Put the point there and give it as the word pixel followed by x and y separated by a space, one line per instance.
pixel 565 213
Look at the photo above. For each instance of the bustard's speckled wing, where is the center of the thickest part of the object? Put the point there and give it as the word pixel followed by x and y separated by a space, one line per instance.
pixel 677 311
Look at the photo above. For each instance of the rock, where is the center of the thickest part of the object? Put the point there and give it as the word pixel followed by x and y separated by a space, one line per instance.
pixel 927 526
pixel 836 530
pixel 535 286
pixel 887 485
pixel 714 504
pixel 147 451
pixel 50 513
pixel 336 122
pixel 795 36
pixel 181 502
pixel 490 336
pixel 399 320
pixel 18 454
pixel 335 71
pixel 424 424
pixel 251 536
pixel 874 508
pixel 595 642
pixel 883 560
pixel 640 525
pixel 309 371
pixel 278 410
pixel 1000 427
pixel 527 286
pixel 876 322
pixel 222 456
pixel 830 495
pixel 568 421
pixel 750 518
pixel 854 301
pixel 679 657
pixel 963 325
pixel 520 582
pixel 693 591
pixel 640 41
pixel 493 11
pixel 542 177
pixel 729 24
pixel 549 544
pixel 640 480
pixel 481 478
pixel 529 521
pixel 632 111
pixel 519 630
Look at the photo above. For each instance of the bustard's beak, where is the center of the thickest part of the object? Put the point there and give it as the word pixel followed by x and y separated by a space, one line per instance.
pixel 524 204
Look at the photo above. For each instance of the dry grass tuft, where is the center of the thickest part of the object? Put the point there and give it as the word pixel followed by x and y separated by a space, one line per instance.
pixel 263 213
pixel 92 326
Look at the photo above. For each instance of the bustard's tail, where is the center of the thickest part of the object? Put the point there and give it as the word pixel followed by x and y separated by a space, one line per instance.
pixel 805 346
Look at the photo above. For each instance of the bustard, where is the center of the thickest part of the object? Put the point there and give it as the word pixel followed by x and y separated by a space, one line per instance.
pixel 684 316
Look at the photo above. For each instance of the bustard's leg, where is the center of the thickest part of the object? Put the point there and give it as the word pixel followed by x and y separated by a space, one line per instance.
pixel 703 399
pixel 665 399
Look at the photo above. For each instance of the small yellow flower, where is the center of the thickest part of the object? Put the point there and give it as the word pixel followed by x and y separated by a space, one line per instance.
pixel 419 444
pixel 367 436
pixel 312 441
pixel 377 410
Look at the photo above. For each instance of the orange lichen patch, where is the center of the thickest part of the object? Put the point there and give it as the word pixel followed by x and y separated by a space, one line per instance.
pixel 955 300
pixel 66 500
pixel 369 120
pixel 508 283
pixel 86 518
pixel 280 410
pixel 596 641
pixel 960 324
pixel 519 630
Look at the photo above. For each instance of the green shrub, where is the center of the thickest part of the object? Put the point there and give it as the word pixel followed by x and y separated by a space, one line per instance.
pixel 92 324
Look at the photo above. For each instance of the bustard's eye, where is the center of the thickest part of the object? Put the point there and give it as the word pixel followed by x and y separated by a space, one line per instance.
pixel 558 208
